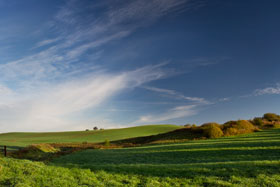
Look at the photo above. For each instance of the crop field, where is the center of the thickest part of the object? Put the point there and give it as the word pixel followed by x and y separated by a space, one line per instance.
pixel 23 139
pixel 244 160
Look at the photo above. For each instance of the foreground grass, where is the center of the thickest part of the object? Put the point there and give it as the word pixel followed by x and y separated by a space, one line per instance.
pixel 24 173
pixel 247 160
pixel 24 139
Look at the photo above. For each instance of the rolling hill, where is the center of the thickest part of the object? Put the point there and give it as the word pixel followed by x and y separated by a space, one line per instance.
pixel 22 139
pixel 243 160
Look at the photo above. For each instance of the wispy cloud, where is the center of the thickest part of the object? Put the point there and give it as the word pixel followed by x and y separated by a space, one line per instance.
pixel 51 105
pixel 268 90
pixel 224 99
pixel 203 61
pixel 173 113
pixel 41 90
pixel 85 33
pixel 47 42
pixel 5 90
pixel 176 112
pixel 176 95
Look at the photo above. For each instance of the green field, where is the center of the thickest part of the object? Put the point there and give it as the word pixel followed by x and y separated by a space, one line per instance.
pixel 245 160
pixel 23 139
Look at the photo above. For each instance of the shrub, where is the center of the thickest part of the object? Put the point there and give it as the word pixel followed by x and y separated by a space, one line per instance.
pixel 245 125
pixel 271 117
pixel 258 122
pixel 213 131
pixel 212 124
pixel 241 126
pixel 231 131
pixel 107 143
pixel 188 125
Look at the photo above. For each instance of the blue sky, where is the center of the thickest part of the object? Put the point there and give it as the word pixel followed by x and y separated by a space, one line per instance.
pixel 72 65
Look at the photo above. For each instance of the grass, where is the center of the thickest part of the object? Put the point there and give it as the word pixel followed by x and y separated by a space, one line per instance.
pixel 248 160
pixel 244 160
pixel 24 139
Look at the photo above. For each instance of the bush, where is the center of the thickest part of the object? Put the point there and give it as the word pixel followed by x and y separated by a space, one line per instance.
pixel 271 117
pixel 231 131
pixel 258 122
pixel 188 126
pixel 212 124
pixel 107 143
pixel 245 125
pixel 241 126
pixel 213 131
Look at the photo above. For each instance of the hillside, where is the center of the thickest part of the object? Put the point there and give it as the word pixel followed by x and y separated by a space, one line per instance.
pixel 23 139
pixel 243 160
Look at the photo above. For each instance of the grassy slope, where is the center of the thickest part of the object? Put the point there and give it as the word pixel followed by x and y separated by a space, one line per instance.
pixel 23 139
pixel 182 134
pixel 246 160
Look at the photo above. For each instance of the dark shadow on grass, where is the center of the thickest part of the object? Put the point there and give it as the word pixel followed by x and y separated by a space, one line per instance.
pixel 225 157
pixel 177 163
pixel 11 148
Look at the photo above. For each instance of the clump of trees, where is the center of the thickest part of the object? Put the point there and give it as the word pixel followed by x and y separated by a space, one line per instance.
pixel 212 130
pixel 258 122
pixel 232 128
pixel 269 120
pixel 189 125
pixel 271 117
pixel 95 129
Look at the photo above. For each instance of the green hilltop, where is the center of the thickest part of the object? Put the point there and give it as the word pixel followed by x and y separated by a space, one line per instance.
pixel 22 139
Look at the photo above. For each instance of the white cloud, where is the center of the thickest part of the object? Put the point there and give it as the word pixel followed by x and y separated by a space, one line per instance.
pixel 268 90
pixel 224 99
pixel 47 42
pixel 173 113
pixel 49 107
pixel 49 89
pixel 177 95
pixel 5 90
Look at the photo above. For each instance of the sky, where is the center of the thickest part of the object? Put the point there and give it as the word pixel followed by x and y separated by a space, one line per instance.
pixel 72 65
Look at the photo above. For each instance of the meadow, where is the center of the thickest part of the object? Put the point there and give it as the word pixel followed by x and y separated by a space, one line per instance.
pixel 243 160
pixel 21 139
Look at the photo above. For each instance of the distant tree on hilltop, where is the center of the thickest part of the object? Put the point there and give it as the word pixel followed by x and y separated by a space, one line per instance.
pixel 271 117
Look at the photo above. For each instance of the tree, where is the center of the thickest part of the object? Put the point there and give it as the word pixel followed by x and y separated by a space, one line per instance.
pixel 95 128
pixel 213 131
pixel 188 125
pixel 258 122
pixel 271 117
